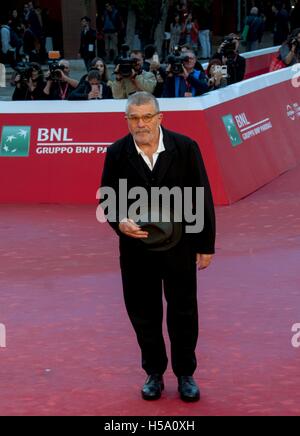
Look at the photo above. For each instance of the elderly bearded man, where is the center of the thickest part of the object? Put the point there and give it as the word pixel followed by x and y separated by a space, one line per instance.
pixel 151 156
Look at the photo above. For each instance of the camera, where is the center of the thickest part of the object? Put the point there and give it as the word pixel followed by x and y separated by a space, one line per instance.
pixel 25 70
pixel 55 71
pixel 295 42
pixel 126 64
pixel 229 47
pixel 176 63
pixel 177 50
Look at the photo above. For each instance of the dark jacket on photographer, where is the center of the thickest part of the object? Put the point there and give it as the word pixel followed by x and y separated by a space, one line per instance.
pixel 23 93
pixel 123 88
pixel 236 68
pixel 286 54
pixel 177 86
pixel 83 90
pixel 59 91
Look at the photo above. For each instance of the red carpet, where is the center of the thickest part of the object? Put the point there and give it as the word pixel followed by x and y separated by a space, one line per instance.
pixel 71 350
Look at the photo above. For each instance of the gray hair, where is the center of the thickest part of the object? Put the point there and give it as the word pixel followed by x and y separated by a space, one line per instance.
pixel 64 62
pixel 141 98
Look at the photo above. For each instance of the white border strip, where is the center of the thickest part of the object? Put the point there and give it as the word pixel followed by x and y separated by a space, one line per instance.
pixel 255 125
pixel 206 101
pixel 263 52
pixel 254 54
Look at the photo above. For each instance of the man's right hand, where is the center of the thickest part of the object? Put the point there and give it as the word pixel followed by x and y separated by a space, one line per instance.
pixel 17 79
pixel 169 71
pixel 132 230
pixel 93 95
pixel 220 49
pixel 117 74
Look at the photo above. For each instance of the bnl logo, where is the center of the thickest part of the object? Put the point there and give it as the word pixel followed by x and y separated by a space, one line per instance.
pixel 15 141
pixel 232 130
pixel 2 336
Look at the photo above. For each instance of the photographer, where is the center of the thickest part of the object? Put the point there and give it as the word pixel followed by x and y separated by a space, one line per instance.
pixel 29 83
pixel 228 54
pixel 217 75
pixel 290 51
pixel 99 65
pixel 59 84
pixel 92 88
pixel 183 80
pixel 152 64
pixel 131 78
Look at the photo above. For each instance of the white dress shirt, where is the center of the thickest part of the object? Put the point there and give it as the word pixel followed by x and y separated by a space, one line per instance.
pixel 155 156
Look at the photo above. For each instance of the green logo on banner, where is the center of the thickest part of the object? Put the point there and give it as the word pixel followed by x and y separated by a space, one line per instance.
pixel 15 141
pixel 232 130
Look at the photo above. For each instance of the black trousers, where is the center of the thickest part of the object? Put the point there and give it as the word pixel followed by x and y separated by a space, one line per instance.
pixel 145 275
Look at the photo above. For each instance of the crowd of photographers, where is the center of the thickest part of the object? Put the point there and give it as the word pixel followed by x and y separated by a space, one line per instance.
pixel 181 76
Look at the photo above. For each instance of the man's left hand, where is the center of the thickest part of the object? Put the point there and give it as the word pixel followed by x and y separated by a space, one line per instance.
pixel 63 77
pixel 185 74
pixel 204 260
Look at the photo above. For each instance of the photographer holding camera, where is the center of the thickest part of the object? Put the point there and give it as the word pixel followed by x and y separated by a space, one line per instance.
pixel 183 80
pixel 228 54
pixel 59 84
pixel 130 76
pixel 29 82
pixel 92 88
pixel 152 64
pixel 290 51
pixel 217 75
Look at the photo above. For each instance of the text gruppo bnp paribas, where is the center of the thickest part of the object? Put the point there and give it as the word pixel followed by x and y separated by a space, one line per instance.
pixel 58 141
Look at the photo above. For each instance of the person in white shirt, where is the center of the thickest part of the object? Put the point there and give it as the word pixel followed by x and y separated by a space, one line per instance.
pixel 150 158
pixel 7 51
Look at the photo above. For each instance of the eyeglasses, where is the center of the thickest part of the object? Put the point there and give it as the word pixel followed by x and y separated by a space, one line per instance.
pixel 145 118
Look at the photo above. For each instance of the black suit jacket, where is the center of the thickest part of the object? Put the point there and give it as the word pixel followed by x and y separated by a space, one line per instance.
pixel 86 39
pixel 181 165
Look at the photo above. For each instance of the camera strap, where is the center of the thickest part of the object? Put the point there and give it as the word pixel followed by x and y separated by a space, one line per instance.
pixel 189 88
pixel 63 94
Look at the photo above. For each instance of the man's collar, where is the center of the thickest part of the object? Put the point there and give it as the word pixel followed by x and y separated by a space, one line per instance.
pixel 161 146
pixel 167 141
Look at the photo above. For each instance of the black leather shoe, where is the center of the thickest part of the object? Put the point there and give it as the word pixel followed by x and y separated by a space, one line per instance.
pixel 188 389
pixel 153 387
